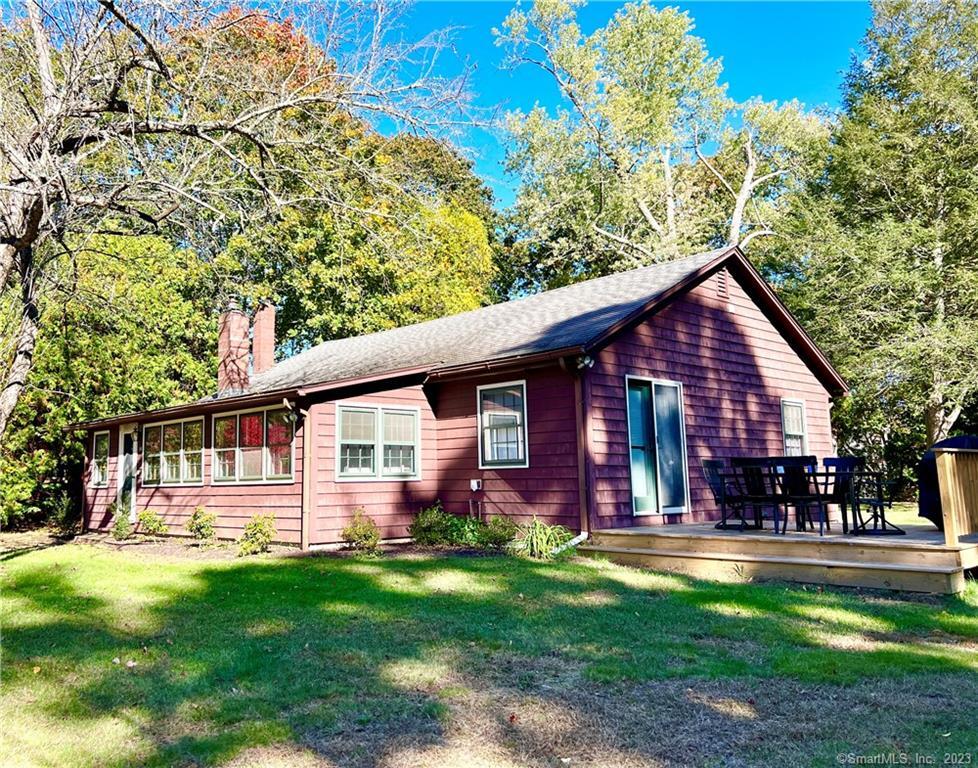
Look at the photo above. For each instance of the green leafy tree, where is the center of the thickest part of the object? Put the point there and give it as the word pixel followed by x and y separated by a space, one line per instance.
pixel 181 117
pixel 425 249
pixel 879 255
pixel 618 175
pixel 134 331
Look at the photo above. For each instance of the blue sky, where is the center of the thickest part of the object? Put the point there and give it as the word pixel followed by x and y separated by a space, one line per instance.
pixel 774 50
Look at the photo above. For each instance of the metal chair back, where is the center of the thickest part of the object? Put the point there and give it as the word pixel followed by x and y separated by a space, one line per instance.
pixel 842 469
pixel 712 470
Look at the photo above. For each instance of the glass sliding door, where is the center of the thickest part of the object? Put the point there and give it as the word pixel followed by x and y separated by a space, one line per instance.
pixel 657 447
pixel 670 447
pixel 642 448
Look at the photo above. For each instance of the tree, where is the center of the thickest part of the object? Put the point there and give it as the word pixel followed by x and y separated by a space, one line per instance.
pixel 905 161
pixel 428 253
pixel 620 176
pixel 136 117
pixel 137 332
pixel 879 257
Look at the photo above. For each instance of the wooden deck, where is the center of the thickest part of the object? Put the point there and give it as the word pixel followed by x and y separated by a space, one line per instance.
pixel 921 561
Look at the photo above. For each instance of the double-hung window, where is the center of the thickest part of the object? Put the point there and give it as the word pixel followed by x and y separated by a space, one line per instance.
pixel 793 427
pixel 253 447
pixel 100 460
pixel 378 442
pixel 502 425
pixel 173 453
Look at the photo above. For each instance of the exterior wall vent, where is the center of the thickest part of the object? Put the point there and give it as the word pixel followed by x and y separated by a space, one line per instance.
pixel 723 290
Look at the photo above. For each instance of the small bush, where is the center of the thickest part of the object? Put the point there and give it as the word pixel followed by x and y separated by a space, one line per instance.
pixel 539 540
pixel 257 536
pixel 436 527
pixel 151 523
pixel 121 527
pixel 201 525
pixel 362 533
pixel 432 527
pixel 65 516
pixel 497 533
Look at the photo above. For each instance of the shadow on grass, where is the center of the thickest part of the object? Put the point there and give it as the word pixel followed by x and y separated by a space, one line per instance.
pixel 357 659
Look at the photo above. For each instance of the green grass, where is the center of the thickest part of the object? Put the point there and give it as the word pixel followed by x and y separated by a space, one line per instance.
pixel 429 660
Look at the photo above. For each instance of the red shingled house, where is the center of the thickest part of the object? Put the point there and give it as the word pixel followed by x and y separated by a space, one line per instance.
pixel 590 405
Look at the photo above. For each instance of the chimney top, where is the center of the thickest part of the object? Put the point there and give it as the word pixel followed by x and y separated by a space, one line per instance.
pixel 263 338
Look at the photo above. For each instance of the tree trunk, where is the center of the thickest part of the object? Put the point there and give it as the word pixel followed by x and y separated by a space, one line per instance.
pixel 7 255
pixel 939 417
pixel 743 197
pixel 20 366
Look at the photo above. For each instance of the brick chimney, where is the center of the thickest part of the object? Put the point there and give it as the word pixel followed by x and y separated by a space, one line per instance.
pixel 263 338
pixel 232 350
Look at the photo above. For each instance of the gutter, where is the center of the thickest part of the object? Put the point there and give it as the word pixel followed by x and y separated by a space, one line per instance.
pixel 235 401
pixel 201 406
pixel 501 363
pixel 579 539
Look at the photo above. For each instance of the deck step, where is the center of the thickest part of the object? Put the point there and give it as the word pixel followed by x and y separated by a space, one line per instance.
pixel 816 548
pixel 739 566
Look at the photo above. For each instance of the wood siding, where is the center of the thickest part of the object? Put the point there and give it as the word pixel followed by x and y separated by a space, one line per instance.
pixel 233 503
pixel 735 367
pixel 548 487
pixel 392 504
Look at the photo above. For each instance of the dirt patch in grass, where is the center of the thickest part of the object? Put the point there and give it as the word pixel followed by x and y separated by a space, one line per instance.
pixel 278 756
pixel 515 711
pixel 25 541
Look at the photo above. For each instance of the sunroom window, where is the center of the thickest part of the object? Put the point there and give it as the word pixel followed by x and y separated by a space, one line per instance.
pixel 378 442
pixel 255 446
pixel 173 453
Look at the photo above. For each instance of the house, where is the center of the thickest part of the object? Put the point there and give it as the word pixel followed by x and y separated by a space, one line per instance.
pixel 590 405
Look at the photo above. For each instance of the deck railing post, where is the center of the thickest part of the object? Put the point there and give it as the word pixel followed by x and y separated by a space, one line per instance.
pixel 957 477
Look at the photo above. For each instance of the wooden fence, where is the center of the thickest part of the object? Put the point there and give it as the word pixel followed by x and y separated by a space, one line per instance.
pixel 957 475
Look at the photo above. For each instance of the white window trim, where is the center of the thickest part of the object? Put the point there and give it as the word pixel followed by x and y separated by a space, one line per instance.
pixel 141 472
pixel 290 480
pixel 525 463
pixel 91 468
pixel 658 481
pixel 378 476
pixel 128 429
pixel 804 424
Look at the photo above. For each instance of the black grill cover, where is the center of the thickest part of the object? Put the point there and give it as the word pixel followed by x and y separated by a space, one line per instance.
pixel 929 500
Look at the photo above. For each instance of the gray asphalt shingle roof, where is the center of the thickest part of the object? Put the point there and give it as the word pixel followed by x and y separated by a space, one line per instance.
pixel 564 317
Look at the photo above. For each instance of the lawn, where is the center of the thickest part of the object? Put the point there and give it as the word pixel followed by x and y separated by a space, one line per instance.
pixel 444 660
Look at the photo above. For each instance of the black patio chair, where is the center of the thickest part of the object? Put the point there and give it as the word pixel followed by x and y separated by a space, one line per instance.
pixel 727 496
pixel 789 474
pixel 798 486
pixel 751 476
pixel 837 488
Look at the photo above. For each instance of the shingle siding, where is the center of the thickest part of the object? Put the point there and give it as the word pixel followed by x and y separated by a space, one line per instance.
pixel 734 367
